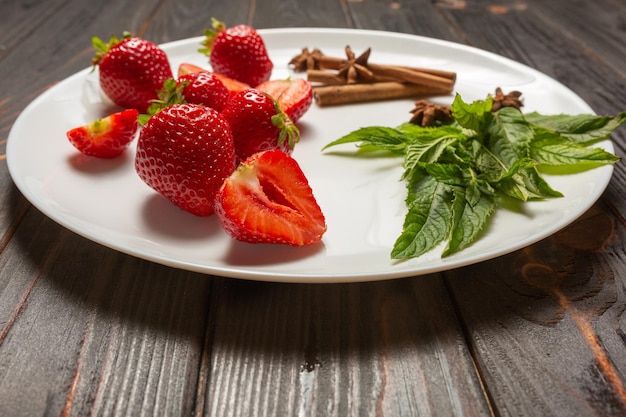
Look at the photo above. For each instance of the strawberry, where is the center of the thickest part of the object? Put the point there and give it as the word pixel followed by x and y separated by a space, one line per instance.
pixel 107 137
pixel 232 85
pixel 204 88
pixel 258 124
pixel 201 88
pixel 238 52
pixel 267 199
pixel 294 96
pixel 186 68
pixel 131 70
pixel 185 152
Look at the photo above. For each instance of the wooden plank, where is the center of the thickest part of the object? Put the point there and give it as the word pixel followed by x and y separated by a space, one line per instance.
pixel 359 349
pixel 600 23
pixel 85 329
pixel 385 348
pixel 548 334
pixel 521 33
pixel 545 305
pixel 415 17
pixel 577 348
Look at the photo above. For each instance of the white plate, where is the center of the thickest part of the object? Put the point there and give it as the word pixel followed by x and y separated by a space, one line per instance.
pixel 363 200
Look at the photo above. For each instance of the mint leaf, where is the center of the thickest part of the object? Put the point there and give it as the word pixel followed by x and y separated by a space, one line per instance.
pixel 427 145
pixel 457 173
pixel 427 221
pixel 584 129
pixel 374 138
pixel 550 148
pixel 473 116
pixel 468 219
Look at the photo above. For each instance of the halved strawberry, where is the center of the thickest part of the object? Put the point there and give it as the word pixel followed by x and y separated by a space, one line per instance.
pixel 268 200
pixel 187 68
pixel 107 137
pixel 294 96
pixel 231 84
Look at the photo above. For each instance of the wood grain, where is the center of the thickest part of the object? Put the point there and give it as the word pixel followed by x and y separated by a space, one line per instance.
pixel 85 330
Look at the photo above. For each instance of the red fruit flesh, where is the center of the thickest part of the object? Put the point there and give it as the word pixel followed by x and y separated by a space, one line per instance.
pixel 294 96
pixel 187 68
pixel 185 152
pixel 107 137
pixel 268 200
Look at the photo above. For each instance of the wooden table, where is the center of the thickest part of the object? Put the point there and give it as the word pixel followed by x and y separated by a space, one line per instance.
pixel 85 330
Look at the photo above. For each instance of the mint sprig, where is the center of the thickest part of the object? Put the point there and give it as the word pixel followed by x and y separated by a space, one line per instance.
pixel 457 174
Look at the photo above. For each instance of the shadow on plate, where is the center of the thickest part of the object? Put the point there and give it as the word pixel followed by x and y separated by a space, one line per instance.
pixel 167 219
pixel 96 166
pixel 251 254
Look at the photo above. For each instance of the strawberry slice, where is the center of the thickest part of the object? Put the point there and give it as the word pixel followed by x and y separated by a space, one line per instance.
pixel 268 200
pixel 294 96
pixel 232 85
pixel 107 137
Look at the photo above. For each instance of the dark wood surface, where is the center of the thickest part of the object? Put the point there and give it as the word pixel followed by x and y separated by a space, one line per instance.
pixel 85 330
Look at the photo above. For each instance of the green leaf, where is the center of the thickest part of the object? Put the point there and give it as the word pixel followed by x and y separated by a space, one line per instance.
pixel 375 138
pixel 446 173
pixel 427 222
pixel 473 116
pixel 584 129
pixel 468 219
pixel 429 150
pixel 549 148
pixel 456 173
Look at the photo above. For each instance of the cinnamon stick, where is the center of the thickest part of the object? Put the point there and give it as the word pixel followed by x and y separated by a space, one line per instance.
pixel 358 93
pixel 331 78
pixel 333 63
pixel 413 76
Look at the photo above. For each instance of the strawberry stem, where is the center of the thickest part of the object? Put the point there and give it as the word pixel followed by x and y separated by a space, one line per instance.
pixel 288 130
pixel 102 48
pixel 210 35
pixel 171 93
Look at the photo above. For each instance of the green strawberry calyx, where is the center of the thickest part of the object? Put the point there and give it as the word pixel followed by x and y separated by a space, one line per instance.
pixel 171 93
pixel 288 130
pixel 102 47
pixel 210 35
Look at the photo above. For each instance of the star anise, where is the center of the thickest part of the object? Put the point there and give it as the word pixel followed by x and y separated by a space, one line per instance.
pixel 426 113
pixel 306 60
pixel 354 69
pixel 511 99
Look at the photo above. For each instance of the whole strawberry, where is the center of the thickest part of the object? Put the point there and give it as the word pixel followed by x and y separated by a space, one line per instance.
pixel 238 52
pixel 185 152
pixel 202 88
pixel 232 85
pixel 268 200
pixel 258 124
pixel 107 137
pixel 131 70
